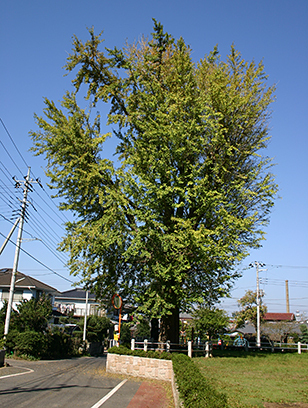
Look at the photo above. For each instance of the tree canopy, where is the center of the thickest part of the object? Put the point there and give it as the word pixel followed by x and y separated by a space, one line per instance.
pixel 210 322
pixel 191 190
pixel 248 312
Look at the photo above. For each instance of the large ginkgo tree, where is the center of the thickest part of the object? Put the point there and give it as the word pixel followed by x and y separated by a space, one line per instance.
pixel 166 224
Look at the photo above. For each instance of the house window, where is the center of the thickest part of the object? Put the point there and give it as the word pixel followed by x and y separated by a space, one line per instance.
pixel 18 295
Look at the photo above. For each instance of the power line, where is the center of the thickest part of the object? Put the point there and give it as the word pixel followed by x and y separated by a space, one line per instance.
pixel 10 200
pixel 56 213
pixel 10 157
pixel 14 144
pixel 8 133
pixel 38 261
pixel 7 203
pixel 288 266
pixel 53 252
pixel 7 191
pixel 7 174
pixel 41 240
pixel 46 213
pixel 279 282
pixel 53 238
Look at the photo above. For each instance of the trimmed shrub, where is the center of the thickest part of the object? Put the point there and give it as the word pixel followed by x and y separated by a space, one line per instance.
pixel 195 391
pixel 11 340
pixel 31 343
pixel 140 353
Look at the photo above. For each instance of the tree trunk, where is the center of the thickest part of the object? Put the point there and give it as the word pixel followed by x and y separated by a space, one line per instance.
pixel 170 327
pixel 154 330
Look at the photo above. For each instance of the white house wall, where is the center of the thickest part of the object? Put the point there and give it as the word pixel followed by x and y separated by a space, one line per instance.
pixel 79 308
pixel 28 294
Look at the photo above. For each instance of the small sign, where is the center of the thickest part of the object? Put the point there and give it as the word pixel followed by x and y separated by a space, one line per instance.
pixel 117 301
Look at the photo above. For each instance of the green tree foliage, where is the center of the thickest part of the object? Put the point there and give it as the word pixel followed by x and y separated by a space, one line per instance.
pixel 97 328
pixel 125 335
pixel 278 331
pixel 304 333
pixel 2 317
pixel 33 314
pixel 31 343
pixel 248 312
pixel 210 322
pixel 143 329
pixel 191 191
pixel 28 327
pixel 30 335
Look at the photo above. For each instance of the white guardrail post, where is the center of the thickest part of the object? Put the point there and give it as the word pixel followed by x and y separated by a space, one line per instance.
pixel 299 347
pixel 145 345
pixel 190 349
pixel 132 344
pixel 207 349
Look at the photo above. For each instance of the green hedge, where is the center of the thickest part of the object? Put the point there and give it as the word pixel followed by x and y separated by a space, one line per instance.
pixel 140 353
pixel 31 343
pixel 195 391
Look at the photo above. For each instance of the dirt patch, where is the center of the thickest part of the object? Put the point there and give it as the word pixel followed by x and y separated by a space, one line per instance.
pixel 293 405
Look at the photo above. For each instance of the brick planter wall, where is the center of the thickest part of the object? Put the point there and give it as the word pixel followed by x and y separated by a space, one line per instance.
pixel 140 367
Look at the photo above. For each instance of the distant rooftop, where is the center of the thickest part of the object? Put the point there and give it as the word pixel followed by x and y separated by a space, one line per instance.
pixel 279 316
pixel 22 281
pixel 77 293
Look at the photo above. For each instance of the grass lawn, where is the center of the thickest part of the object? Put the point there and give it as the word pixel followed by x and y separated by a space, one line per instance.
pixel 250 380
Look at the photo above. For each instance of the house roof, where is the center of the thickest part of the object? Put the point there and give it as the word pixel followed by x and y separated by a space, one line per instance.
pixel 247 329
pixel 22 281
pixel 77 293
pixel 278 316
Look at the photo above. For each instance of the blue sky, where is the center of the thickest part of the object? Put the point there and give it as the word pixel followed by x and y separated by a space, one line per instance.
pixel 35 41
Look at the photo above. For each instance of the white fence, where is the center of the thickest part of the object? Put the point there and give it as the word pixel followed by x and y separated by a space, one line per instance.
pixel 171 347
pixel 206 347
pixel 277 346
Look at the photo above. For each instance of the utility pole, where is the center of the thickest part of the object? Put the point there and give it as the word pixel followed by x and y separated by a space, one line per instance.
pixel 257 265
pixel 287 296
pixel 27 186
pixel 85 318
pixel 258 306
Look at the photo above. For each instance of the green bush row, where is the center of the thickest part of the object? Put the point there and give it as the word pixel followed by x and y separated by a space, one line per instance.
pixel 50 345
pixel 140 353
pixel 195 391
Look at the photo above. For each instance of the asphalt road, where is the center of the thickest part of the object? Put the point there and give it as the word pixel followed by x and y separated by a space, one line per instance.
pixel 73 383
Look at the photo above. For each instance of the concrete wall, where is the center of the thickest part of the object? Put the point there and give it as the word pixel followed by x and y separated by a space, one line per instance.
pixel 144 367
pixel 140 367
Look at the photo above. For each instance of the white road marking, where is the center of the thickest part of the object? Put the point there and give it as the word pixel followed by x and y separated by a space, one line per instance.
pixel 15 375
pixel 106 397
